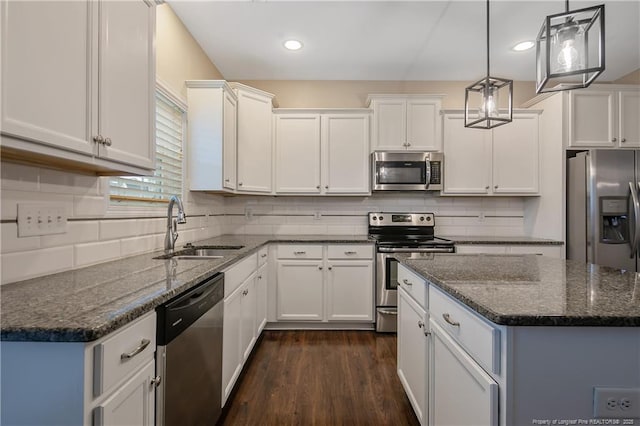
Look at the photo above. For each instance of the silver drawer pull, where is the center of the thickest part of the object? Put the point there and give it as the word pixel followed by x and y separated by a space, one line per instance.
pixel 420 324
pixel 263 255
pixel 299 252
pixel 143 345
pixel 155 382
pixel 448 319
pixel 350 252
pixel 407 282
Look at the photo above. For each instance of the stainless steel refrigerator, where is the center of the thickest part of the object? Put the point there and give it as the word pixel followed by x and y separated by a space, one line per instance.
pixel 603 208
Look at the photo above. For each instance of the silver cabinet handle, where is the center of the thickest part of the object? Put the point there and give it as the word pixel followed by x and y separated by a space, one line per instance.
pixel 320 268
pixel 326 187
pixel 244 293
pixel 155 382
pixel 614 139
pixel 240 183
pixel 141 347
pixel 420 324
pixel 259 277
pixel 408 143
pixel 623 140
pixel 427 333
pixel 350 252
pixel 495 187
pixel 263 256
pixel 329 268
pixel 98 139
pixel 407 282
pixel 448 319
pixel 226 180
pixel 486 187
pixel 107 141
pixel 299 252
pixel 317 186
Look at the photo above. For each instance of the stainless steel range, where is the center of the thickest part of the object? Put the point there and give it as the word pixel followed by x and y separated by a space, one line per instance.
pixel 399 233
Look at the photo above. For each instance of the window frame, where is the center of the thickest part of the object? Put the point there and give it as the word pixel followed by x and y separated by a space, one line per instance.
pixel 159 207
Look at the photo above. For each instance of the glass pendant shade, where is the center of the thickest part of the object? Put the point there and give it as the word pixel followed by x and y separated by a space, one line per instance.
pixel 570 50
pixel 482 106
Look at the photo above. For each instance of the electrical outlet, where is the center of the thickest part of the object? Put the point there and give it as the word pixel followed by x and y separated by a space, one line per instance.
pixel 616 402
pixel 41 219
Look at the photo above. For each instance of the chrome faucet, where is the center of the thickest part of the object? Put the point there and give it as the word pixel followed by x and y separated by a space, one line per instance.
pixel 172 224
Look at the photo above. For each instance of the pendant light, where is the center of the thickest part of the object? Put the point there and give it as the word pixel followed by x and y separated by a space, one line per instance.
pixel 481 99
pixel 570 49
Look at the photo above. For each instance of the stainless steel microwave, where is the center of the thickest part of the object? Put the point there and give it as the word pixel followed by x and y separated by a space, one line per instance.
pixel 406 171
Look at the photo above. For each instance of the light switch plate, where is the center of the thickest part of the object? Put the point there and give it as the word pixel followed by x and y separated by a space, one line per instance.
pixel 41 219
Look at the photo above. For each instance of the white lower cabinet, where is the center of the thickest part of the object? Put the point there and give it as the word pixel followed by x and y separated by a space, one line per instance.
pixel 462 393
pixel 244 316
pixel 132 404
pixel 413 353
pixel 323 283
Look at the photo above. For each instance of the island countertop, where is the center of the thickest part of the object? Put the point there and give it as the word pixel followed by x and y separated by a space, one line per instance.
pixel 530 290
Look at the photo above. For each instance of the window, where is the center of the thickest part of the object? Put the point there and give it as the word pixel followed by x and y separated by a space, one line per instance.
pixel 167 178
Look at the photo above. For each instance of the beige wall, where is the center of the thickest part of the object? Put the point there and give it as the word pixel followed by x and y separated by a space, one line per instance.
pixel 631 78
pixel 353 94
pixel 178 56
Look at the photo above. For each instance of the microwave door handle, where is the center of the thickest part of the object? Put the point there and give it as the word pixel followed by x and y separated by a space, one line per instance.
pixel 633 239
pixel 428 174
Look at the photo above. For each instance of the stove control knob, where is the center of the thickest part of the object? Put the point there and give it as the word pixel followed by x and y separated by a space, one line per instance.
pixel 381 218
pixel 428 218
pixel 375 218
pixel 421 218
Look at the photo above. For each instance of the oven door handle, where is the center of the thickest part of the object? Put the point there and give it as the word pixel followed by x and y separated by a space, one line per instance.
pixel 416 250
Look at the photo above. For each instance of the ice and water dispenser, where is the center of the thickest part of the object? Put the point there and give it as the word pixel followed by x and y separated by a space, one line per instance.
pixel 614 220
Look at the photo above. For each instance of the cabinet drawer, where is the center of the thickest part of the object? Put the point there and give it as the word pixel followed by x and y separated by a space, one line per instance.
pixel 477 336
pixel 350 251
pixel 414 285
pixel 238 273
pixel 299 251
pixel 263 255
pixel 123 352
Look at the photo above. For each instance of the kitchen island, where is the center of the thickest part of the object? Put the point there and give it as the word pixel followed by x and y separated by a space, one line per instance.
pixel 518 339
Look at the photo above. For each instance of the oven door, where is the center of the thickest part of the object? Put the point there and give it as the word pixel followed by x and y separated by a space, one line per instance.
pixel 386 280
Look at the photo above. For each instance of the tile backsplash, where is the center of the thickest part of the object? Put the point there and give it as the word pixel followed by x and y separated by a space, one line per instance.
pixel 98 232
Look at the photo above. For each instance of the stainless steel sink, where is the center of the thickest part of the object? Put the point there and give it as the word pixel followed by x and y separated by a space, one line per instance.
pixel 201 252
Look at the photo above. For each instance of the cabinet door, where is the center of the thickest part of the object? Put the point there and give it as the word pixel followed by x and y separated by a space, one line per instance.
pixel 413 354
pixel 515 156
pixel 345 157
pixel 229 141
pixel 457 379
pixel 424 129
pixel 248 329
pixel 467 156
pixel 46 72
pixel 628 113
pixel 389 124
pixel 350 290
pixel 592 118
pixel 131 404
pixel 298 153
pixel 254 142
pixel 231 355
pixel 126 82
pixel 262 277
pixel 300 291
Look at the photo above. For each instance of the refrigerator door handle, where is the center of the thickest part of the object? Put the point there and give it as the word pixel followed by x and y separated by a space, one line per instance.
pixel 633 240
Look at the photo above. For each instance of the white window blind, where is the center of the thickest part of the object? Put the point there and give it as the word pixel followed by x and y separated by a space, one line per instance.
pixel 167 178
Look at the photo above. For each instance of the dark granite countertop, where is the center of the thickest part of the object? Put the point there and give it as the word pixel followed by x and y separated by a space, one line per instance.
pixel 490 240
pixel 85 304
pixel 530 290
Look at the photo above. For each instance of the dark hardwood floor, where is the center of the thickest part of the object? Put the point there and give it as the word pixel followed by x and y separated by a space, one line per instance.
pixel 321 378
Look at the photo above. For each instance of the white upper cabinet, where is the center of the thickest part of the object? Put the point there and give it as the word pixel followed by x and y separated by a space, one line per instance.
pixel 501 161
pixel 322 153
pixel 81 90
pixel 406 122
pixel 345 154
pixel 604 118
pixel 212 136
pixel 254 139
pixel 297 153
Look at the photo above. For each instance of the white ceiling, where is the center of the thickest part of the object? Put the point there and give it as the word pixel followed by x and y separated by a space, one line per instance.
pixel 390 40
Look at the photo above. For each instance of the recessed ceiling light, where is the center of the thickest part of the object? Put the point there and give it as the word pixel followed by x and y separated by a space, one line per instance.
pixel 292 44
pixel 525 45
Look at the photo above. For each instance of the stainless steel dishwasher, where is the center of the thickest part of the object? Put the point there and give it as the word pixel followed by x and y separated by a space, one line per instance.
pixel 189 356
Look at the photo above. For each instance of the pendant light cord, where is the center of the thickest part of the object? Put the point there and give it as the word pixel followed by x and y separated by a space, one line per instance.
pixel 488 37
